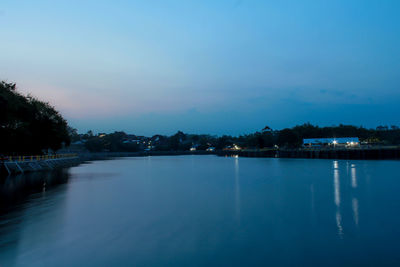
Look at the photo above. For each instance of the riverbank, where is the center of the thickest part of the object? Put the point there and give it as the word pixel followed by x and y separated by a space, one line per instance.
pixel 107 155
pixel 339 153
pixel 42 163
pixel 392 152
pixel 27 164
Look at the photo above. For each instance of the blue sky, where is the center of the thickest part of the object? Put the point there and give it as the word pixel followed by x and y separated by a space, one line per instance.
pixel 216 67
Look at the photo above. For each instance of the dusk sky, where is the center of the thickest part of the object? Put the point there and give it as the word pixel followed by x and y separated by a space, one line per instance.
pixel 218 67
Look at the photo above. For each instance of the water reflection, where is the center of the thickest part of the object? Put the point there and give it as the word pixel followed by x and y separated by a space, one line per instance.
pixel 23 198
pixel 15 189
pixel 210 211
pixel 354 202
pixel 312 198
pixel 353 176
pixel 355 210
pixel 336 185
pixel 237 189
pixel 339 223
pixel 335 164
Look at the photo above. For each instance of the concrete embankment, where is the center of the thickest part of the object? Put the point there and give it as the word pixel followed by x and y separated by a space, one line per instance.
pixel 360 153
pixel 24 164
pixel 16 187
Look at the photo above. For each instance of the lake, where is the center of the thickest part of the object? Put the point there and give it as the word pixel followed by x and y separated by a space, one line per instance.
pixel 204 211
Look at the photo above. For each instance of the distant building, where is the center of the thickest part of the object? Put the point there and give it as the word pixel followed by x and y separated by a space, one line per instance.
pixel 233 147
pixel 236 147
pixel 211 149
pixel 340 142
pixel 194 147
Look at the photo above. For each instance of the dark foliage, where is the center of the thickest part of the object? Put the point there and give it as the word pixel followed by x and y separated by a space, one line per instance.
pixel 267 138
pixel 28 125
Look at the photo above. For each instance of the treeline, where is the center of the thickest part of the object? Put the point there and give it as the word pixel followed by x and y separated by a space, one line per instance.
pixel 122 142
pixel 28 125
pixel 382 135
pixel 266 138
pixel 31 126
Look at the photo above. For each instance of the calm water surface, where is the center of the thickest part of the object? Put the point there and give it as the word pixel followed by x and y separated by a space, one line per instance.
pixel 209 211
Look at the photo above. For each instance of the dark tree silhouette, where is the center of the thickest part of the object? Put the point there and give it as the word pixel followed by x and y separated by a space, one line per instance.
pixel 28 125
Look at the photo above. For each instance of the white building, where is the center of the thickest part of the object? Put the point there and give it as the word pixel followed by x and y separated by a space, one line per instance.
pixel 341 141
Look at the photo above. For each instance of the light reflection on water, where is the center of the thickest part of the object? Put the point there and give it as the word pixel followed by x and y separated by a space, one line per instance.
pixel 355 210
pixel 336 183
pixel 203 210
pixel 237 190
pixel 353 176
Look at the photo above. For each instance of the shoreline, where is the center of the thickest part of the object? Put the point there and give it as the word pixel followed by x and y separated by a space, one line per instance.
pixel 378 153
pixel 381 153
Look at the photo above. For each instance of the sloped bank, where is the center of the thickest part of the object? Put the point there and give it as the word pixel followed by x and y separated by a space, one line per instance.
pixel 19 165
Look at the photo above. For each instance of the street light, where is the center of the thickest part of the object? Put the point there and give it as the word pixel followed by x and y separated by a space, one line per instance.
pixel 334 143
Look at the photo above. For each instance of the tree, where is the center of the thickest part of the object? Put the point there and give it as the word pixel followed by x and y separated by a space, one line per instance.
pixel 287 137
pixel 28 125
pixel 266 129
